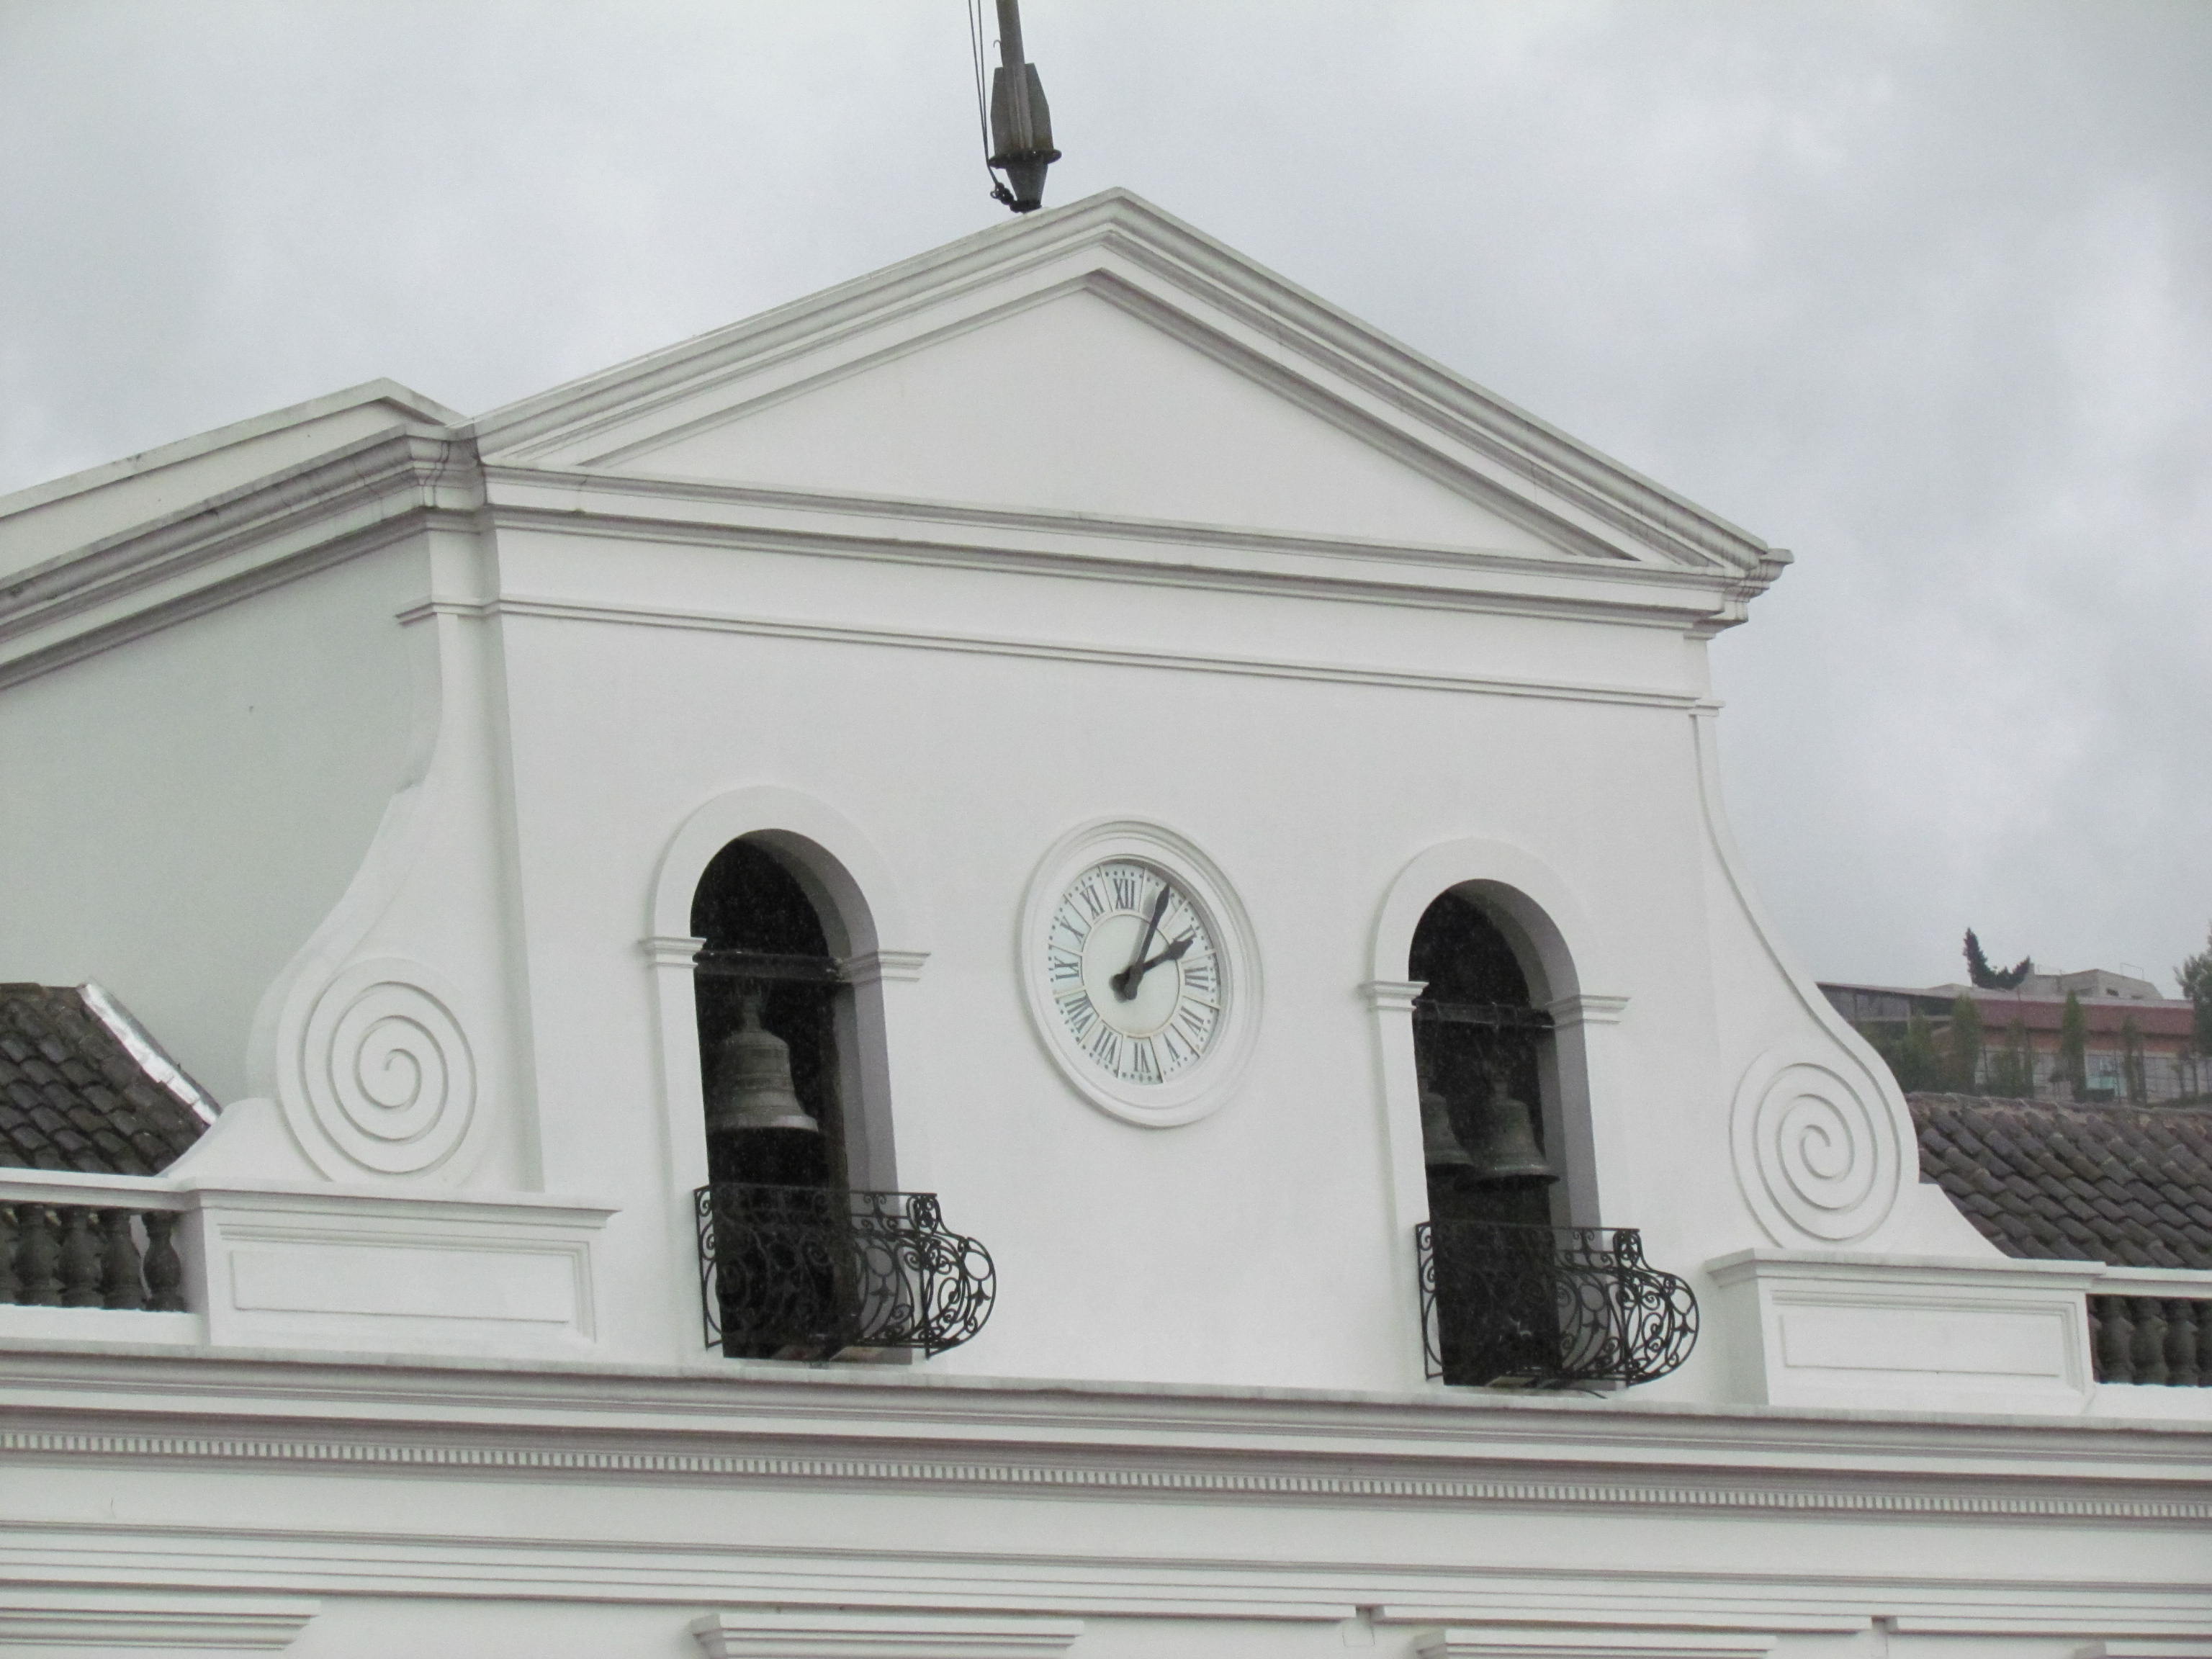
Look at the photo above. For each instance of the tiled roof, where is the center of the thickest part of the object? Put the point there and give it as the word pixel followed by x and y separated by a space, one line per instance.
pixel 74 1095
pixel 2128 1185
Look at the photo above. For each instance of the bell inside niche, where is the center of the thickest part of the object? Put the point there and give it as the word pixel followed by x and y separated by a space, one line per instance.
pixel 1440 1145
pixel 753 1087
pixel 1505 1152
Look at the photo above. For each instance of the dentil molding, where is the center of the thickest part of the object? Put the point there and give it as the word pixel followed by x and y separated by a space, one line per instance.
pixel 1518 1642
pixel 920 1473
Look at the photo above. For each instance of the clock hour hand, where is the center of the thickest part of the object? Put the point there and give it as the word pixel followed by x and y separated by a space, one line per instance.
pixel 1173 953
pixel 1125 982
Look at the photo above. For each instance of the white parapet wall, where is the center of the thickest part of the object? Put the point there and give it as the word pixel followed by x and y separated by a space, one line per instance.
pixel 278 1265
pixel 1811 1328
pixel 1935 1332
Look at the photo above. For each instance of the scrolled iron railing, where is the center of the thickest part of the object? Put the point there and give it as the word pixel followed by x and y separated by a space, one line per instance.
pixel 807 1273
pixel 1548 1306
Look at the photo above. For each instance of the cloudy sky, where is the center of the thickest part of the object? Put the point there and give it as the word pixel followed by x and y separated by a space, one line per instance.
pixel 1920 290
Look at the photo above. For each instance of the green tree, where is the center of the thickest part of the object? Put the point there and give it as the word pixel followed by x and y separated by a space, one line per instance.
pixel 2131 1060
pixel 1917 1064
pixel 1965 1045
pixel 2196 976
pixel 2074 1044
pixel 2012 1068
pixel 1983 977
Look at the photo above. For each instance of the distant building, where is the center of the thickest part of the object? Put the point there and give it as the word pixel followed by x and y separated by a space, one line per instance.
pixel 2021 1029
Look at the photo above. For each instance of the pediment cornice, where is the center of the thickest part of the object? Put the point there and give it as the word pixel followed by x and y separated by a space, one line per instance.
pixel 1123 250
pixel 577 501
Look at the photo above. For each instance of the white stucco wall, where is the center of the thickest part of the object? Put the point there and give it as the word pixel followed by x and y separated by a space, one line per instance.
pixel 1219 1251
pixel 179 815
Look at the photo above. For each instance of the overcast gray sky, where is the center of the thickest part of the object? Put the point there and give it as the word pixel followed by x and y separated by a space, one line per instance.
pixel 1920 290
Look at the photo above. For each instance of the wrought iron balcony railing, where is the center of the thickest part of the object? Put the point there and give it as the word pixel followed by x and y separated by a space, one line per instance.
pixel 808 1272
pixel 1548 1306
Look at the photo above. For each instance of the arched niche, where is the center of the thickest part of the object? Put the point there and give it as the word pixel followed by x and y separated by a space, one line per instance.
pixel 1523 939
pixel 767 974
pixel 1486 1066
pixel 839 906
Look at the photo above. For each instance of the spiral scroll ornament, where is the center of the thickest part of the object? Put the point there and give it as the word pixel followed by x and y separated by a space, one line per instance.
pixel 387 1069
pixel 1817 1156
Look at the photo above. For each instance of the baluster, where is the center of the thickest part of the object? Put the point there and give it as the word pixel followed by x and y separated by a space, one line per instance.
pixel 2150 1339
pixel 2116 1340
pixel 8 1285
pixel 2181 1342
pixel 119 1281
pixel 165 1272
pixel 38 1257
pixel 80 1258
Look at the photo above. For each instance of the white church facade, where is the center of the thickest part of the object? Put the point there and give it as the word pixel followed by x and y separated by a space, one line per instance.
pixel 982 967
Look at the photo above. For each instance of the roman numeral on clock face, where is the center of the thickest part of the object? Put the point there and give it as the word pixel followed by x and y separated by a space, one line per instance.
pixel 1133 974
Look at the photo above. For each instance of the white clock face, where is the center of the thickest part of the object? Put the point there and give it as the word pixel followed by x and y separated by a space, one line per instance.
pixel 1132 973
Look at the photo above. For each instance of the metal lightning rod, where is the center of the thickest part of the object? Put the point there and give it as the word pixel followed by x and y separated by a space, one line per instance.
pixel 1021 121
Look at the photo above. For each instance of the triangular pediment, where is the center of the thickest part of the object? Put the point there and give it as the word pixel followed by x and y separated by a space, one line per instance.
pixel 1108 362
pixel 1077 405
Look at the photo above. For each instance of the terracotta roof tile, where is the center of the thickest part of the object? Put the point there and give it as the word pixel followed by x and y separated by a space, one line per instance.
pixel 2131 1185
pixel 74 1097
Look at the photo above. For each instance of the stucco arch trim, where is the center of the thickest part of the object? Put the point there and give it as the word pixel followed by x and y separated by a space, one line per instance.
pixel 1563 956
pixel 848 880
pixel 1562 951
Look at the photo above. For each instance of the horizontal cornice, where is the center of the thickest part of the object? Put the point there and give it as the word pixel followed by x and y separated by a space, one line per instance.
pixel 767 1425
pixel 695 512
pixel 544 608
pixel 336 506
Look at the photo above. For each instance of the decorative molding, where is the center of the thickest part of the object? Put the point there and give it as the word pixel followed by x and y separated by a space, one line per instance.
pixel 121 1621
pixel 664 951
pixel 467 609
pixel 852 883
pixel 1392 996
pixel 1815 1159
pixel 386 1068
pixel 226 546
pixel 1586 1009
pixel 872 967
pixel 990 645
pixel 780 1632
pixel 1540 1642
pixel 1013 1474
pixel 1123 247
pixel 2198 1648
pixel 689 511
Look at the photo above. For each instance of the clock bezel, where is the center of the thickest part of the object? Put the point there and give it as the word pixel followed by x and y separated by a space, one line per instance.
pixel 1199 1089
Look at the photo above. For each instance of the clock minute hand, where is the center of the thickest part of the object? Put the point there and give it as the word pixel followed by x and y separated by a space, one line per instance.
pixel 1125 982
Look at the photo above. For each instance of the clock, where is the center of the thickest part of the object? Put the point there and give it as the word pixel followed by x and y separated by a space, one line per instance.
pixel 1139 971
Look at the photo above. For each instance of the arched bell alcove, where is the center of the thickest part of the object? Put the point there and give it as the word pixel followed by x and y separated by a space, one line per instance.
pixel 793 1225
pixel 766 976
pixel 1486 1069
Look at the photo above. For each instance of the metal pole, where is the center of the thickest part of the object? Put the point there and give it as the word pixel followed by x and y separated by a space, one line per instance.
pixel 1018 79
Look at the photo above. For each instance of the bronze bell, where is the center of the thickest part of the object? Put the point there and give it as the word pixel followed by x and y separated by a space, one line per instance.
pixel 753 1081
pixel 1440 1147
pixel 1505 1150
